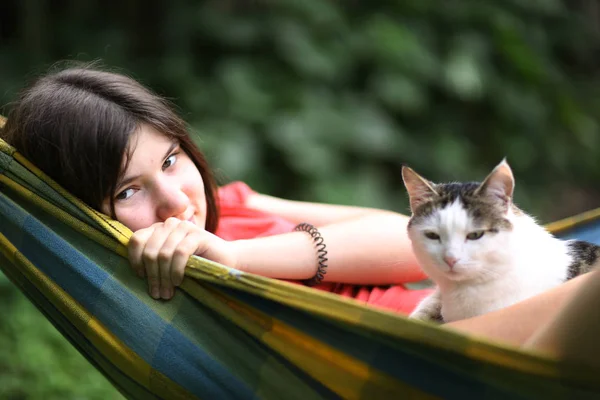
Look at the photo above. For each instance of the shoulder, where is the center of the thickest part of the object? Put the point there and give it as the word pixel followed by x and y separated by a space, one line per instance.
pixel 235 194
pixel 238 218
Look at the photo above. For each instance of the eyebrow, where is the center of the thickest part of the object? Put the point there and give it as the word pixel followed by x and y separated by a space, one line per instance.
pixel 130 179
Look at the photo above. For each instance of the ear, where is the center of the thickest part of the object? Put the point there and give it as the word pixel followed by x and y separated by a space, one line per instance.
pixel 419 189
pixel 499 184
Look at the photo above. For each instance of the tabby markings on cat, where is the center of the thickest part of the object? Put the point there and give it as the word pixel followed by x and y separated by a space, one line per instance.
pixel 483 252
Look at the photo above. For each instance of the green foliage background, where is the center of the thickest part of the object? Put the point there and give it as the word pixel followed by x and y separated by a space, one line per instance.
pixel 324 101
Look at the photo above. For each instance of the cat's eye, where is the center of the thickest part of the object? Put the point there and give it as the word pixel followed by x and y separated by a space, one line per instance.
pixel 432 235
pixel 475 235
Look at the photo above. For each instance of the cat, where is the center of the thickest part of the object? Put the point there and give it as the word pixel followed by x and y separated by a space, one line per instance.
pixel 483 252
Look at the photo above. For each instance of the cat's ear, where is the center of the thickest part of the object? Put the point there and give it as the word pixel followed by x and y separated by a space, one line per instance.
pixel 499 184
pixel 419 189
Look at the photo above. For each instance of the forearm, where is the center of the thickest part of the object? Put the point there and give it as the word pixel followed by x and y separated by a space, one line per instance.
pixel 373 249
pixel 516 324
pixel 573 334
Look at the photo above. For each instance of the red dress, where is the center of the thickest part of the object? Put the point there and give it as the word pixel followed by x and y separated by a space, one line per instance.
pixel 240 222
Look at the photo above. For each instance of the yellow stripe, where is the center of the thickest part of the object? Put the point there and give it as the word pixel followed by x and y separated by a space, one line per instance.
pixel 570 222
pixel 342 373
pixel 100 337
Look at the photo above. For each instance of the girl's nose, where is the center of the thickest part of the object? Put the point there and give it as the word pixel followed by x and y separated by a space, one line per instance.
pixel 172 202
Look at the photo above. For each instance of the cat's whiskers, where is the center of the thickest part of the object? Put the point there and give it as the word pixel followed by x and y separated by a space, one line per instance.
pixel 490 273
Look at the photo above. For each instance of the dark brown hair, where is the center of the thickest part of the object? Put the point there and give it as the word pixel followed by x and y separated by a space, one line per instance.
pixel 75 124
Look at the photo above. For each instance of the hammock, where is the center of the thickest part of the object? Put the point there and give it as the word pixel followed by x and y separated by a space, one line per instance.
pixel 232 335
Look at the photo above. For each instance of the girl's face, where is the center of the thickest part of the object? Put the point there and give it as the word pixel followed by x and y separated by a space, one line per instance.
pixel 161 181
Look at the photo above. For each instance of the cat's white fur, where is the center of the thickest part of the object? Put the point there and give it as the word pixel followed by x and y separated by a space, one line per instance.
pixel 492 272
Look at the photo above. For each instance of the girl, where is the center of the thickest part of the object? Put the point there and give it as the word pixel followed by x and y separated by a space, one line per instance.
pixel 121 149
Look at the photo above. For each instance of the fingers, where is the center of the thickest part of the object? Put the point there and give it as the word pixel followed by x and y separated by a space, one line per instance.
pixel 157 255
pixel 172 258
pixel 186 248
pixel 136 246
pixel 161 253
pixel 144 256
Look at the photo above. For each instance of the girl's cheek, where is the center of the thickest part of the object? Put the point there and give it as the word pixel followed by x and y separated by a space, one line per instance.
pixel 132 217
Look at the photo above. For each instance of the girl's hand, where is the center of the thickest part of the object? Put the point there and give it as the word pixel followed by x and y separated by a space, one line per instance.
pixel 161 251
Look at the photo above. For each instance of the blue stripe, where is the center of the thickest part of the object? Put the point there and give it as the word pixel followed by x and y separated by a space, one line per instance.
pixel 74 272
pixel 589 232
pixel 11 220
pixel 201 372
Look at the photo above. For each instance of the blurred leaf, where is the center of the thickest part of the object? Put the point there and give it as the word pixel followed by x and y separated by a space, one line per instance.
pixel 463 76
pixel 246 100
pixel 398 47
pixel 400 93
pixel 304 53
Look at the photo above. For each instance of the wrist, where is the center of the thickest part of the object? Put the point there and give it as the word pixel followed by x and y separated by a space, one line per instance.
pixel 320 250
pixel 285 256
pixel 234 252
pixel 216 249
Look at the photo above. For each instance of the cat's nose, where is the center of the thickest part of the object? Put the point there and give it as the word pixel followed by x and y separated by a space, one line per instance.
pixel 450 261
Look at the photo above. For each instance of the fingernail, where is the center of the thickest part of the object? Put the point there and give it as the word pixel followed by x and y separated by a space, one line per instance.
pixel 165 293
pixel 154 293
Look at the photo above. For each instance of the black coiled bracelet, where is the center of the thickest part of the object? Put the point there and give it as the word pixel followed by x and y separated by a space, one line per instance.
pixel 321 252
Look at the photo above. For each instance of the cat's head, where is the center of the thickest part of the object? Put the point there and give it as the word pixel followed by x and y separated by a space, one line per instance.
pixel 461 231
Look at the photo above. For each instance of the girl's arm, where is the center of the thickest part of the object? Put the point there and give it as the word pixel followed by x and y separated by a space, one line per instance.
pixel 318 214
pixel 365 246
pixel 520 323
pixel 573 334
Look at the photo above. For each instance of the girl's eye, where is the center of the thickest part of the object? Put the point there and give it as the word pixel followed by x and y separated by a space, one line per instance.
pixel 432 236
pixel 475 235
pixel 170 161
pixel 125 194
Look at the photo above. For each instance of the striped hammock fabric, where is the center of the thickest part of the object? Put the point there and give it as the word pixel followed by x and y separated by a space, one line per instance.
pixel 231 335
